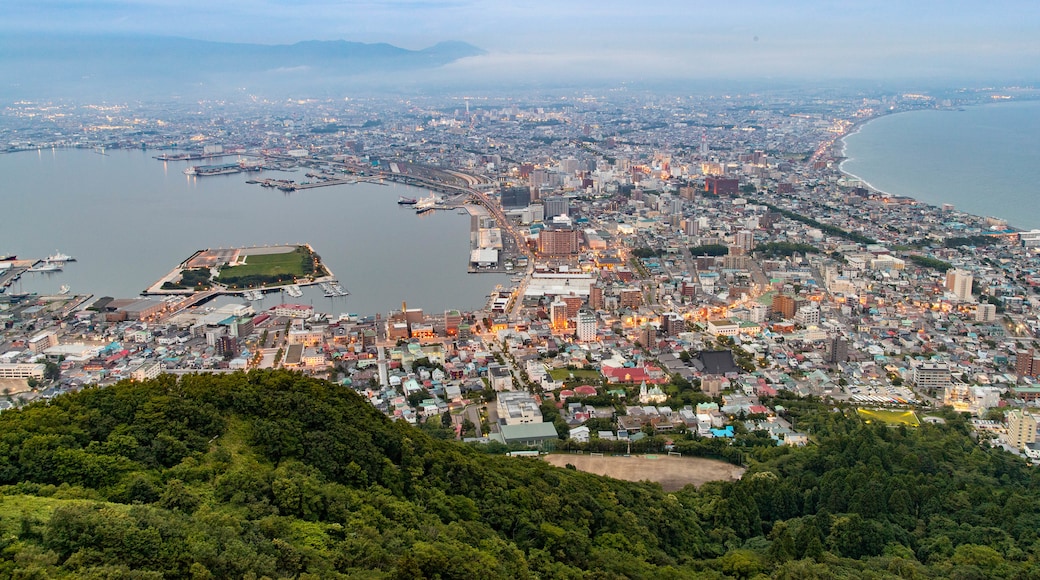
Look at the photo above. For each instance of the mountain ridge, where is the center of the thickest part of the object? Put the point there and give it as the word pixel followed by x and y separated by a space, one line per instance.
pixel 59 65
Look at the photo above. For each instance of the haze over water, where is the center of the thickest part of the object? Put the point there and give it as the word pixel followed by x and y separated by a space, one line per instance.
pixel 129 219
pixel 981 159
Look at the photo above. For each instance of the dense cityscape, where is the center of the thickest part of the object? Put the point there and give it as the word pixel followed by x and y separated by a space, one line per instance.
pixel 674 258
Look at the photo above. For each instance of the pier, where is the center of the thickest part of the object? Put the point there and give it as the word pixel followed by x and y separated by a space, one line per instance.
pixel 285 185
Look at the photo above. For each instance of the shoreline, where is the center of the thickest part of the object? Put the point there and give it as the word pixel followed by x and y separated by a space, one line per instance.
pixel 857 127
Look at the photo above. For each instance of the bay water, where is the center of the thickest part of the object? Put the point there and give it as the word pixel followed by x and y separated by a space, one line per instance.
pixel 129 218
pixel 982 159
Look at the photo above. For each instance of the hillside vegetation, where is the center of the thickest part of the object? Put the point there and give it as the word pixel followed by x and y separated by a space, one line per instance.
pixel 274 474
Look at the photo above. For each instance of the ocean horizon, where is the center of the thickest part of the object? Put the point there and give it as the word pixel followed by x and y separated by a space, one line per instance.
pixel 979 159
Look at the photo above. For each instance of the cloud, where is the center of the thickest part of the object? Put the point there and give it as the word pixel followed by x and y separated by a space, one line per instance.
pixel 591 38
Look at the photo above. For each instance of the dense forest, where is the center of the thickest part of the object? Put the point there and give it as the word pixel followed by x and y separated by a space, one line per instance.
pixel 278 475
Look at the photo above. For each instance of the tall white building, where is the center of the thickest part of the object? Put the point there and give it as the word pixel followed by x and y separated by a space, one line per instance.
pixel 959 283
pixel 586 326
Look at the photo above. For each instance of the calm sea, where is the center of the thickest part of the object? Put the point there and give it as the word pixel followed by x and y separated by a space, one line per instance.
pixel 129 219
pixel 982 159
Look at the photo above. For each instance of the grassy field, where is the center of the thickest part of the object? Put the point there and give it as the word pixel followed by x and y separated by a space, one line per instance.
pixel 564 374
pixel 290 263
pixel 284 266
pixel 890 417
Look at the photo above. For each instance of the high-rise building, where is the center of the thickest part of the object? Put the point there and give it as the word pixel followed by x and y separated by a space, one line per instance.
pixel 721 186
pixel 784 305
pixel 959 283
pixel 837 350
pixel 573 305
pixel 672 323
pixel 516 197
pixel 630 298
pixel 562 242
pixel 692 227
pixel 226 346
pixel 558 314
pixel 745 240
pixel 1024 363
pixel 596 297
pixel 1021 428
pixel 648 336
pixel 586 326
pixel 539 177
pixel 985 312
pixel 556 205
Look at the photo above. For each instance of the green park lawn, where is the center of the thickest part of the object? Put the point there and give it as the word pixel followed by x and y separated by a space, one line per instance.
pixel 269 269
pixel 564 374
pixel 890 417
pixel 290 263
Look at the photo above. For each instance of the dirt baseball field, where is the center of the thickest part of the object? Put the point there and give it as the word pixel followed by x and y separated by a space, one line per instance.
pixel 671 472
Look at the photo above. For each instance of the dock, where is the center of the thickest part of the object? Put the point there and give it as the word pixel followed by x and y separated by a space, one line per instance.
pixel 289 185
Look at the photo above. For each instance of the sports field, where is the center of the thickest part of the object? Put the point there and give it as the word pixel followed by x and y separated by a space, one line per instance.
pixel 673 473
pixel 890 417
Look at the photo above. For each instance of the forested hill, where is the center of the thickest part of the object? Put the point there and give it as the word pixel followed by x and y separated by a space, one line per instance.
pixel 274 474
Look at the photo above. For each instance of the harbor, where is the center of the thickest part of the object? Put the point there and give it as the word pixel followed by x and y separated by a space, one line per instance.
pixel 351 227
pixel 12 269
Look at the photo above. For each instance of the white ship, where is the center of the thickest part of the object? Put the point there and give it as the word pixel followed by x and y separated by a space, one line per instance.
pixel 426 204
pixel 59 257
pixel 294 291
pixel 47 267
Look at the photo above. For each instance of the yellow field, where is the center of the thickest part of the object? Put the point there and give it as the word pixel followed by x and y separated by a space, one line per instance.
pixel 890 417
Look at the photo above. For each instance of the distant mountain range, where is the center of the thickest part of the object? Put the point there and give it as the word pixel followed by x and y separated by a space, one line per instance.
pixel 123 66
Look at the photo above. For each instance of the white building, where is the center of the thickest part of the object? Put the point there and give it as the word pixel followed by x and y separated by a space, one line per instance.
pixel 808 315
pixel 293 310
pixel 586 326
pixel 517 408
pixel 930 375
pixel 43 341
pixel 148 370
pixel 724 327
pixel 985 312
pixel 22 370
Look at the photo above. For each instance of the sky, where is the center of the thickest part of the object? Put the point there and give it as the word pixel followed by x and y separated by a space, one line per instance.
pixel 872 39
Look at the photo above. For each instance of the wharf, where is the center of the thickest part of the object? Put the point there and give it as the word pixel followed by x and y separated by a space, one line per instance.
pixel 286 185
pixel 11 275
